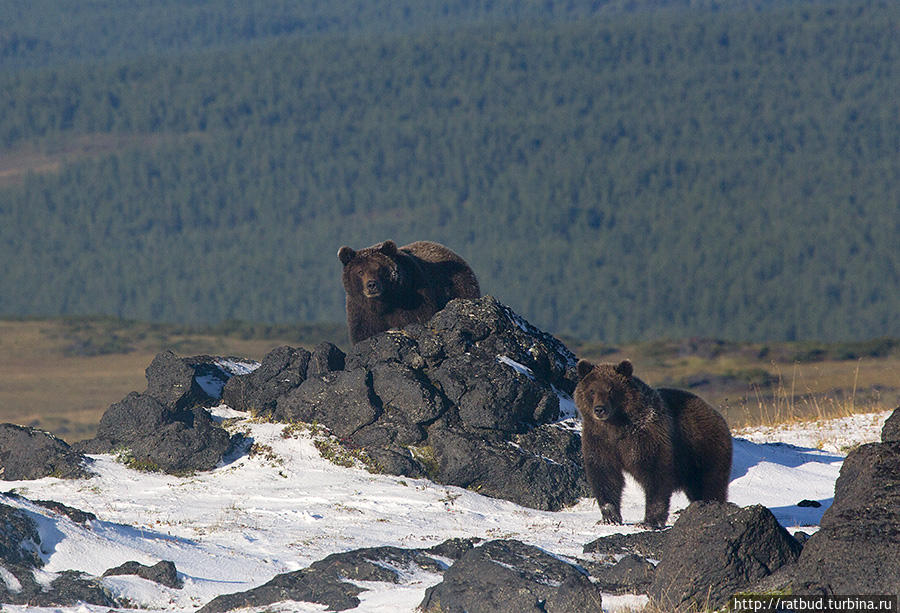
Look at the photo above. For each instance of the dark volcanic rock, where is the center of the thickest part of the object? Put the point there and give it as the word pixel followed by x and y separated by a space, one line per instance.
pixel 27 453
pixel 167 427
pixel 283 369
pixel 19 539
pixel 717 549
pixel 171 381
pixel 855 549
pixel 648 544
pixel 325 358
pixel 342 401
pixel 20 555
pixel 76 515
pixel 627 561
pixel 70 588
pixel 890 432
pixel 327 581
pixel 162 572
pixel 632 574
pixel 509 576
pixel 470 399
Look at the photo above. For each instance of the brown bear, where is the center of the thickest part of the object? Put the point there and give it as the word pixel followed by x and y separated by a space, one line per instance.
pixel 667 439
pixel 389 287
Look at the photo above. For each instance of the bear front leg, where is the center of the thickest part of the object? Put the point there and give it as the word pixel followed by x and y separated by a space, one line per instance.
pixel 656 505
pixel 607 484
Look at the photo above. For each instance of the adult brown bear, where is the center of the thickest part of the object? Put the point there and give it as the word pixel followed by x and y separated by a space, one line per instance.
pixel 389 287
pixel 667 439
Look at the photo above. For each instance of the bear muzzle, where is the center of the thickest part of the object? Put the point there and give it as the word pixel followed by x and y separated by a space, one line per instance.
pixel 601 412
pixel 372 289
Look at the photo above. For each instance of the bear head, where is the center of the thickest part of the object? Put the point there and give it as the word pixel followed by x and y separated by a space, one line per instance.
pixel 606 393
pixel 373 273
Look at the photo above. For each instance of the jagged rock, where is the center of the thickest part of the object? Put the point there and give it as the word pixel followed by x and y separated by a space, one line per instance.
pixel 70 588
pixel 159 437
pixel 715 550
pixel 855 549
pixel 627 562
pixel 19 538
pixel 162 572
pixel 76 515
pixel 167 427
pixel 20 556
pixel 649 544
pixel 171 381
pixel 503 469
pixel 508 575
pixel 470 399
pixel 632 574
pixel 283 369
pixel 27 453
pixel 325 358
pixel 328 581
pixel 890 432
pixel 341 401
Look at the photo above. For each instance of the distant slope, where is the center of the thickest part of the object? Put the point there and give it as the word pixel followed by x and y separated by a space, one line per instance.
pixel 661 173
pixel 48 32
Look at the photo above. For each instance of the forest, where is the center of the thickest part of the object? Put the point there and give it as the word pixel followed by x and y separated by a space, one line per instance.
pixel 615 171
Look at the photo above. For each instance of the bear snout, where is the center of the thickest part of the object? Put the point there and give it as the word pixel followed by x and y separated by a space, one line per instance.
pixel 372 288
pixel 601 412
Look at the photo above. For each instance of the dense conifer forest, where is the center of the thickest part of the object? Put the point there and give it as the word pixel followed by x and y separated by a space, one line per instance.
pixel 616 171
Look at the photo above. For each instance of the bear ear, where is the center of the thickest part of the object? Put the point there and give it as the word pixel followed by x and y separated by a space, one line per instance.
pixel 388 248
pixel 345 254
pixel 625 369
pixel 583 368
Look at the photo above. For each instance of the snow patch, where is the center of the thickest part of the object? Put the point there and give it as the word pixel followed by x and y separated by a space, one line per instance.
pixel 9 580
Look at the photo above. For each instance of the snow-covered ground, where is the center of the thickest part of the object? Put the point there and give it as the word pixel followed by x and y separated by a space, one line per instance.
pixel 284 507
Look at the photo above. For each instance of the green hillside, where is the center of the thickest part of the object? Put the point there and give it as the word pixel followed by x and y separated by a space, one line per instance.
pixel 614 175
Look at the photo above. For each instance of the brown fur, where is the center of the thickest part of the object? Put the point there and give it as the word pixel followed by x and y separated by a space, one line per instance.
pixel 389 287
pixel 667 439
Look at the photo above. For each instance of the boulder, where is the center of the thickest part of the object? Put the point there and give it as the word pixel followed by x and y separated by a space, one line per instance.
pixel 27 453
pixel 167 427
pixel 19 538
pixel 162 572
pixel 715 550
pixel 332 580
pixel 283 369
pixel 20 544
pixel 855 549
pixel 510 576
pixel 890 432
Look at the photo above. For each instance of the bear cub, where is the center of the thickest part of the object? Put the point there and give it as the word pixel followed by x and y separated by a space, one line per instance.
pixel 389 287
pixel 667 439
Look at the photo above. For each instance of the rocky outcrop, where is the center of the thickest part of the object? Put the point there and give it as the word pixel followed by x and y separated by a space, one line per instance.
pixel 890 432
pixel 167 427
pixel 282 370
pixel 471 399
pixel 330 580
pixel 855 549
pixel 163 572
pixel 20 544
pixel 715 550
pixel 27 453
pixel 510 576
